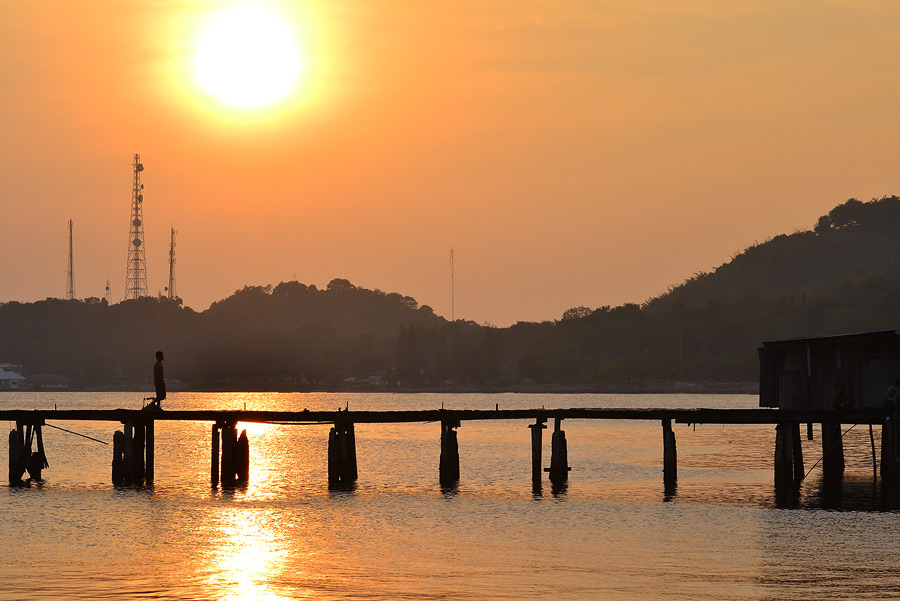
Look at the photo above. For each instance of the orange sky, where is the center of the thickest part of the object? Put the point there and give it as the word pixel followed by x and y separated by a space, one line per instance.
pixel 577 153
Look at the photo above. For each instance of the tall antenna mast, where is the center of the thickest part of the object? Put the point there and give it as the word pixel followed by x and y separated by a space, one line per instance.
pixel 136 273
pixel 108 294
pixel 171 288
pixel 70 275
pixel 452 290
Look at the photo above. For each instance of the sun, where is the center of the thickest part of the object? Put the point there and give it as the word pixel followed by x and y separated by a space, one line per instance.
pixel 247 57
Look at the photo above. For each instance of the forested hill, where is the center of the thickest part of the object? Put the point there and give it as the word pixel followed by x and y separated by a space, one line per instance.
pixel 841 276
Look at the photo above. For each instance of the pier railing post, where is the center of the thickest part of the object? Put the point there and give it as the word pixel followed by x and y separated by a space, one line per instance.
pixel 449 462
pixel 559 455
pixel 537 436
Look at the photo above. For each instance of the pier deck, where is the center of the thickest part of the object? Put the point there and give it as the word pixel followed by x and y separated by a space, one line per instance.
pixel 133 446
pixel 682 416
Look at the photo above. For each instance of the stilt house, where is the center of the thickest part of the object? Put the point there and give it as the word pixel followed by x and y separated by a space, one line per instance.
pixel 804 373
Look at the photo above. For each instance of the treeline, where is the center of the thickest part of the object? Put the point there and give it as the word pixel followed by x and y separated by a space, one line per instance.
pixel 843 275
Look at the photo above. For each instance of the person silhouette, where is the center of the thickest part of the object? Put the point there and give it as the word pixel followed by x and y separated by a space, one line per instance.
pixel 159 382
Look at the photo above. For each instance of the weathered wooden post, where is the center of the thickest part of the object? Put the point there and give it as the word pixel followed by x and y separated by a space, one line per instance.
pixel 342 470
pixel 537 435
pixel 559 455
pixel 37 461
pixel 17 456
pixel 242 458
pixel 118 462
pixel 797 450
pixel 229 442
pixel 784 465
pixel 214 457
pixel 129 452
pixel 890 462
pixel 334 461
pixel 449 462
pixel 350 443
pixel 151 451
pixel 832 450
pixel 670 456
pixel 137 452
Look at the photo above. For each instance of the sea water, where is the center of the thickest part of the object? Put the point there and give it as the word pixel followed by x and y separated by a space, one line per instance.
pixel 612 533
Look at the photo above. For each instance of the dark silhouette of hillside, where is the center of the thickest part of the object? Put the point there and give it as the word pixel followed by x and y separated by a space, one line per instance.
pixel 843 275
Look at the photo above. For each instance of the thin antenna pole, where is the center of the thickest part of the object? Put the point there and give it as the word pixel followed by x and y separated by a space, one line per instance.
pixel 70 275
pixel 171 289
pixel 452 290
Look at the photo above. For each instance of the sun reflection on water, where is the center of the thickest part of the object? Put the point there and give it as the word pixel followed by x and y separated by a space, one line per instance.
pixel 246 554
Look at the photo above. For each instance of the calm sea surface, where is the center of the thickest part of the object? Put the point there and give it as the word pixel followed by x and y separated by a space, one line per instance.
pixel 611 534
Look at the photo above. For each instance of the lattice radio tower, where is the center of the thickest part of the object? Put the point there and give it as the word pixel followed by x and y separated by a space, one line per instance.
pixel 171 288
pixel 136 274
pixel 70 274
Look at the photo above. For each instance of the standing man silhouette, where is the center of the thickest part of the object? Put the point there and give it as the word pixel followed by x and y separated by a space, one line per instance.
pixel 158 380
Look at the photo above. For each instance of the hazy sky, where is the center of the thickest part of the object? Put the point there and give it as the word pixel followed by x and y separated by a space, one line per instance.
pixel 573 153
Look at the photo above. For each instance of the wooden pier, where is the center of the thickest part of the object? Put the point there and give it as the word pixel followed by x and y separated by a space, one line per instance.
pixel 134 455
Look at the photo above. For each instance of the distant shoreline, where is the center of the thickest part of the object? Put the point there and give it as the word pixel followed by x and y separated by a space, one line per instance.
pixel 641 387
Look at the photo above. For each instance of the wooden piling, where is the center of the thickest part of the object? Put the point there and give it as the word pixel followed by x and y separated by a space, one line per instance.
pixel 37 460
pixel 242 459
pixel 334 464
pixel 797 452
pixel 670 455
pixel 17 458
pixel 350 443
pixel 229 442
pixel 784 464
pixel 832 450
pixel 342 468
pixel 890 459
pixel 137 452
pixel 214 457
pixel 128 476
pixel 118 462
pixel 449 461
pixel 559 455
pixel 150 470
pixel 537 435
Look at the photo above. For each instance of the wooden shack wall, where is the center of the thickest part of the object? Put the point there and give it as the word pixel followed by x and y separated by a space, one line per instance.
pixel 804 374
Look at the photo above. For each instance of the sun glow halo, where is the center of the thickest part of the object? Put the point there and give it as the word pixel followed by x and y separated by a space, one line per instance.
pixel 247 57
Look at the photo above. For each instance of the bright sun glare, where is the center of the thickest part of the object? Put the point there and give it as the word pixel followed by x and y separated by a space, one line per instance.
pixel 247 57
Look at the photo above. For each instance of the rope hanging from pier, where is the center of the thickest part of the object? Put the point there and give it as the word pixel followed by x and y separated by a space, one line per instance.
pixel 833 445
pixel 77 434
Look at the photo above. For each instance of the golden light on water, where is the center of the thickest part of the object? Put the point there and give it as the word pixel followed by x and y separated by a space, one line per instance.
pixel 248 555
